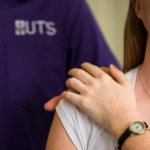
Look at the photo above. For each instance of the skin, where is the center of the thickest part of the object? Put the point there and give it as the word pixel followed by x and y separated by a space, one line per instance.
pixel 58 138
pixel 51 104
pixel 142 8
pixel 121 101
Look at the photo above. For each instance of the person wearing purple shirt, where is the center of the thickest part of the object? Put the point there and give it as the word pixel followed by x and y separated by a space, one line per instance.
pixel 40 40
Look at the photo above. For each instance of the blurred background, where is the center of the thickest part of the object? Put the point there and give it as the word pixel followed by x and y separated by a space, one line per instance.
pixel 111 18
pixel 40 40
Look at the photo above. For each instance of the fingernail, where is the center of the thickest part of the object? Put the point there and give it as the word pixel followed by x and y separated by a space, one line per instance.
pixel 84 63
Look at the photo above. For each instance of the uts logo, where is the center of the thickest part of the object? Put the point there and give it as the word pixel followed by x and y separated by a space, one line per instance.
pixel 41 27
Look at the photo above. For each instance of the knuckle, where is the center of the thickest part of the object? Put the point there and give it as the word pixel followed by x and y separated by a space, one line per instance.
pixel 92 83
pixel 78 73
pixel 90 68
pixel 106 78
pixel 67 82
pixel 91 92
pixel 86 92
pixel 67 95
pixel 82 102
pixel 103 77
pixel 106 81
pixel 70 81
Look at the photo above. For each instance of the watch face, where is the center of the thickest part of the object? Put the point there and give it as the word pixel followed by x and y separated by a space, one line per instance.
pixel 137 127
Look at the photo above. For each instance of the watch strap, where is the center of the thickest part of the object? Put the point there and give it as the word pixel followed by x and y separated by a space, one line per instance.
pixel 145 124
pixel 124 136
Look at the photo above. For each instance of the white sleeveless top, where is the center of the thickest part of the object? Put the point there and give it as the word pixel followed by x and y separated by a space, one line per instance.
pixel 82 130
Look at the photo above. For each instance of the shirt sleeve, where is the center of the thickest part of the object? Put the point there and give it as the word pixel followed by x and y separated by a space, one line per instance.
pixel 83 131
pixel 85 39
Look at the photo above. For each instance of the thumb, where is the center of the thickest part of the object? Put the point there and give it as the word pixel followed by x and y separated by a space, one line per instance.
pixel 118 75
pixel 51 104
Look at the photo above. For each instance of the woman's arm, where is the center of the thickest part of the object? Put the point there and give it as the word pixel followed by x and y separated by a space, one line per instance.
pixel 58 138
pixel 120 110
pixel 111 103
pixel 138 142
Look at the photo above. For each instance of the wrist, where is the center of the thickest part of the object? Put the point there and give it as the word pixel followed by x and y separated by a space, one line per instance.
pixel 122 123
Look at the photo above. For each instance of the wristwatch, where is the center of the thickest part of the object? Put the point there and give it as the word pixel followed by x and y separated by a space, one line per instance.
pixel 135 128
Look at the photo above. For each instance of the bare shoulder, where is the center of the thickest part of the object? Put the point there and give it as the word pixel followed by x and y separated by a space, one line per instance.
pixel 58 138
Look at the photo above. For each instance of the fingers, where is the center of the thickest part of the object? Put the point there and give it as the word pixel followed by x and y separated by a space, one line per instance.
pixel 90 71
pixel 93 70
pixel 75 84
pixel 51 104
pixel 72 97
pixel 81 75
pixel 118 75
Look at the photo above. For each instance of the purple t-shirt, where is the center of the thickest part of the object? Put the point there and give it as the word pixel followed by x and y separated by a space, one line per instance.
pixel 40 40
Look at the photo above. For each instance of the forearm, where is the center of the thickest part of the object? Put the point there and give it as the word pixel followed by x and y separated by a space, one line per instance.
pixel 138 142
